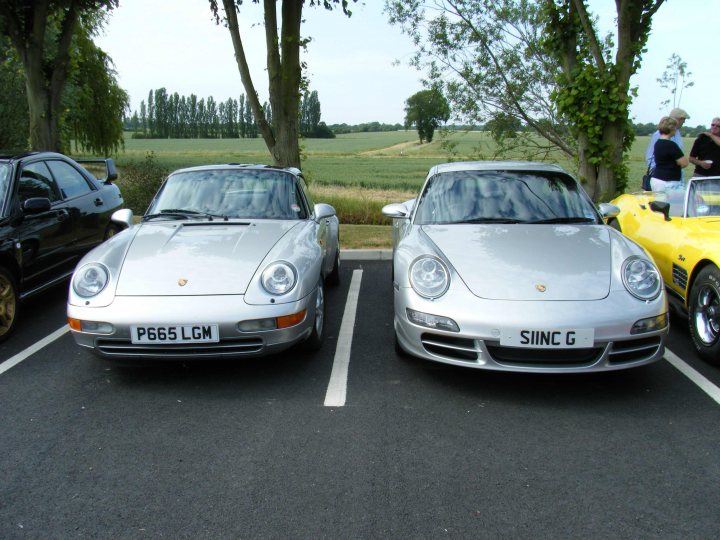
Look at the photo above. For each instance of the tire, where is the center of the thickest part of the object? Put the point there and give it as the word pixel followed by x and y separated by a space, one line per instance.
pixel 333 277
pixel 704 314
pixel 615 224
pixel 8 303
pixel 315 341
pixel 111 230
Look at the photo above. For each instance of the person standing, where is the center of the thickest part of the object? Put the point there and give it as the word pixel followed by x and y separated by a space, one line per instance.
pixel 680 116
pixel 705 152
pixel 668 157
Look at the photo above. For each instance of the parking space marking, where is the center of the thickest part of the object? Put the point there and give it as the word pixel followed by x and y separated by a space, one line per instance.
pixel 19 357
pixel 337 387
pixel 705 385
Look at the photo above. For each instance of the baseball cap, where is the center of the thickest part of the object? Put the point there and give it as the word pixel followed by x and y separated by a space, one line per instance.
pixel 679 113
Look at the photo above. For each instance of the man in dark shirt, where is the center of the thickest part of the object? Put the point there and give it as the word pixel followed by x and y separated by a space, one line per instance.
pixel 705 153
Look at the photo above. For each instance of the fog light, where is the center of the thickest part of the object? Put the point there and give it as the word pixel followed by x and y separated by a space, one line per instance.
pixel 91 327
pixel 436 322
pixel 652 324
pixel 257 325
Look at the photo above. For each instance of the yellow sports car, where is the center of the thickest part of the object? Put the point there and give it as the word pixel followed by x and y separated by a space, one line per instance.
pixel 681 230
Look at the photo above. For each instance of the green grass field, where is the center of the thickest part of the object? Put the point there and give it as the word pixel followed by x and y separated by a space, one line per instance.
pixel 388 160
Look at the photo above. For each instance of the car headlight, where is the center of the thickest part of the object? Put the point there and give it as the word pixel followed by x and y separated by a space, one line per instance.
pixel 90 280
pixel 429 277
pixel 279 278
pixel 641 278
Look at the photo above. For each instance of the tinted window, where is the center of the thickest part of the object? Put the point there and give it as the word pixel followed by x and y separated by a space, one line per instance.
pixel 467 196
pixel 5 171
pixel 36 181
pixel 232 193
pixel 71 182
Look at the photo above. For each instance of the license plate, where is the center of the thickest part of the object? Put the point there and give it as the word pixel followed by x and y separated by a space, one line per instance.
pixel 178 333
pixel 556 338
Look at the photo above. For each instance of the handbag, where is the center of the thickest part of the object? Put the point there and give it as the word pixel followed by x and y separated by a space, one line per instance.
pixel 646 179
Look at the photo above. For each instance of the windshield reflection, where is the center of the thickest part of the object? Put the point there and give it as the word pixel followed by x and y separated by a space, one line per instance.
pixel 504 197
pixel 229 193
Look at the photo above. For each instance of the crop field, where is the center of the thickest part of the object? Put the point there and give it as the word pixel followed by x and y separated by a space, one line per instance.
pixel 386 161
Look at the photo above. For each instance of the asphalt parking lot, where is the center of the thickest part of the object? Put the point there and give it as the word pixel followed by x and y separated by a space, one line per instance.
pixel 350 442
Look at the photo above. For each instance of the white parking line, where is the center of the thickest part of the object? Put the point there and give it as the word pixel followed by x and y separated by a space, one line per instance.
pixel 19 357
pixel 337 387
pixel 706 386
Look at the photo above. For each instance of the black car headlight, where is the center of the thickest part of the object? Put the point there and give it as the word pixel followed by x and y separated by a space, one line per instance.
pixel 429 277
pixel 641 278
pixel 279 278
pixel 90 280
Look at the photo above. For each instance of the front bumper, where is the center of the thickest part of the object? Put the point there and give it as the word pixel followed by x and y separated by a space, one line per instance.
pixel 224 310
pixel 481 321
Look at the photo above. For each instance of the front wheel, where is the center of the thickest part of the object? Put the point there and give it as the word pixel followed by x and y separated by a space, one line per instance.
pixel 8 303
pixel 314 342
pixel 704 314
pixel 333 277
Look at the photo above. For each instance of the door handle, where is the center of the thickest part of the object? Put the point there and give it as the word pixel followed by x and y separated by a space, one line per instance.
pixel 62 215
pixel 99 202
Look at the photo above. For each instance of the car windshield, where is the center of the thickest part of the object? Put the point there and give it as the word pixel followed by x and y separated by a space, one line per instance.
pixel 4 183
pixel 504 197
pixel 228 193
pixel 704 197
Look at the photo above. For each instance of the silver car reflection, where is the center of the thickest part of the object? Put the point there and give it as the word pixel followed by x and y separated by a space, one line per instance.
pixel 509 266
pixel 228 261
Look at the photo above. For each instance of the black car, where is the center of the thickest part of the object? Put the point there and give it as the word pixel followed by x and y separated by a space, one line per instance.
pixel 52 212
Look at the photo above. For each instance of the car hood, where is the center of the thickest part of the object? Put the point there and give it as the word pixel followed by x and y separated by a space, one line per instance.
pixel 529 262
pixel 208 257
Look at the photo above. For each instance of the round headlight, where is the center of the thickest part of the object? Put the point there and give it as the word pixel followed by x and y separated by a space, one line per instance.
pixel 90 280
pixel 279 278
pixel 429 277
pixel 641 278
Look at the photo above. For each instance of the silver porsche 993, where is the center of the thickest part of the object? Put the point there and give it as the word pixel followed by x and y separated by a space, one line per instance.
pixel 509 266
pixel 228 261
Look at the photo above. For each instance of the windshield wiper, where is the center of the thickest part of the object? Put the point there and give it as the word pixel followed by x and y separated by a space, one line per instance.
pixel 182 213
pixel 576 219
pixel 490 220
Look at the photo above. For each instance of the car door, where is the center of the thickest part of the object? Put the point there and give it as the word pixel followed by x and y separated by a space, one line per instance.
pixel 45 238
pixel 84 202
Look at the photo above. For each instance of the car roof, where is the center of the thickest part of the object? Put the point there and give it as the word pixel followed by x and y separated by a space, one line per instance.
pixel 496 166
pixel 238 166
pixel 22 155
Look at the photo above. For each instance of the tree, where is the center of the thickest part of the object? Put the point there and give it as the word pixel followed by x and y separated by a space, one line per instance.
pixel 542 63
pixel 284 70
pixel 13 105
pixel 41 32
pixel 675 78
pixel 426 110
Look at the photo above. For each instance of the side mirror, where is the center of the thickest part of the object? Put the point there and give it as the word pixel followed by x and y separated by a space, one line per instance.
pixel 123 217
pixel 608 210
pixel 323 211
pixel 662 207
pixel 395 210
pixel 112 174
pixel 36 205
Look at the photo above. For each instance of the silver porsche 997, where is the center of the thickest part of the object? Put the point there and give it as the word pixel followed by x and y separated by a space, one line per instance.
pixel 228 261
pixel 509 266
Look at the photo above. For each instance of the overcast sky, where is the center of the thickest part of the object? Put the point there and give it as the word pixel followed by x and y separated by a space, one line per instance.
pixel 352 62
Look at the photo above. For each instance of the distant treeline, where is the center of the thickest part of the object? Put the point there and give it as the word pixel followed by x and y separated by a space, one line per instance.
pixel 172 116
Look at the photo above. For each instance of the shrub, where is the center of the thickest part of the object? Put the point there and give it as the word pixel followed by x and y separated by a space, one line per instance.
pixel 139 181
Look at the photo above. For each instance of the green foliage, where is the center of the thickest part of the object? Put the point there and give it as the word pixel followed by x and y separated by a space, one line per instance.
pixel 426 110
pixel 139 181
pixel 13 105
pixel 675 78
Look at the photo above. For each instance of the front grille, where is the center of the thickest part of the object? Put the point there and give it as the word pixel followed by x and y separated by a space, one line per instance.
pixel 547 357
pixel 450 347
pixel 226 347
pixel 634 350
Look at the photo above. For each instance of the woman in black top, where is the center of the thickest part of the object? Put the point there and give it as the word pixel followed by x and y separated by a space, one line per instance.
pixel 669 159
